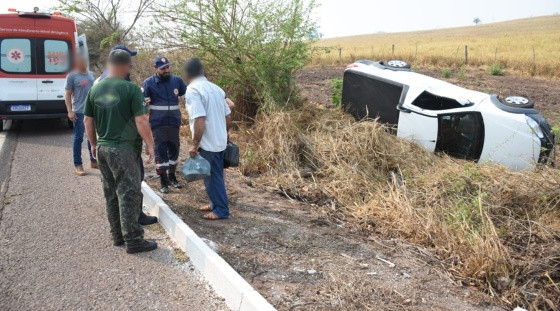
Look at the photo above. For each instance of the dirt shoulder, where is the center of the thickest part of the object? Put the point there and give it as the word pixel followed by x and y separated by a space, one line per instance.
pixel 300 257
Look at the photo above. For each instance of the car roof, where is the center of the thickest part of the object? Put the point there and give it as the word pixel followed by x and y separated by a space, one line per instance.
pixel 418 83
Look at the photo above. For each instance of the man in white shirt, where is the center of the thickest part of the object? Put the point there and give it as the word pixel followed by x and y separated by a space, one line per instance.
pixel 209 118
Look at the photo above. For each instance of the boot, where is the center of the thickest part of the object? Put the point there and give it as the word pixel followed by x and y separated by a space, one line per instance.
pixel 146 220
pixel 164 180
pixel 142 246
pixel 173 178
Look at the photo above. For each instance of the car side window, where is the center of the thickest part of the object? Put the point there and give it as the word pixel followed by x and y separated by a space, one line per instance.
pixel 461 135
pixel 430 101
pixel 15 55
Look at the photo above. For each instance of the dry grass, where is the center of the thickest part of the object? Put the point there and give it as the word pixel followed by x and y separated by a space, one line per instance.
pixel 496 229
pixel 509 44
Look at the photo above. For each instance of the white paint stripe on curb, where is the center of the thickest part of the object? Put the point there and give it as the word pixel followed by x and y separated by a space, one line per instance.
pixel 4 134
pixel 238 294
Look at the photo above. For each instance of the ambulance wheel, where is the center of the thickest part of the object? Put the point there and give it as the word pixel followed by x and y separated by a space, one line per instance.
pixel 399 64
pixel 518 102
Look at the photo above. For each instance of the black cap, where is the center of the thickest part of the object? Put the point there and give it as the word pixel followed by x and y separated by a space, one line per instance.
pixel 124 48
pixel 194 68
pixel 119 57
pixel 161 62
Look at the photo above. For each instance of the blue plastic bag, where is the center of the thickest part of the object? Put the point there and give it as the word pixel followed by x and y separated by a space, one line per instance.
pixel 196 168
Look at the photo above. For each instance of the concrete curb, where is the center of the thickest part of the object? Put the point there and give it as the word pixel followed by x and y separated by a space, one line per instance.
pixel 227 283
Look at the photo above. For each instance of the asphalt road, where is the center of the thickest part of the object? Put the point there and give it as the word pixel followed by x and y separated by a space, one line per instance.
pixel 56 252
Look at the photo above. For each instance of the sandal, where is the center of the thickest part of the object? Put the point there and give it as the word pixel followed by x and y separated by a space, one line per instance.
pixel 210 216
pixel 205 208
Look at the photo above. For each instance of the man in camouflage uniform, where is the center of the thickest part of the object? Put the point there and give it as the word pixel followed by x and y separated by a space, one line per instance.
pixel 116 122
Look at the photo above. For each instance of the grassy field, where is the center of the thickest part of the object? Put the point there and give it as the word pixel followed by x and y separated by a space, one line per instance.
pixel 528 46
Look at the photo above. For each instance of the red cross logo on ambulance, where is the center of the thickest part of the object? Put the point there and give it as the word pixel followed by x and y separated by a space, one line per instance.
pixel 16 56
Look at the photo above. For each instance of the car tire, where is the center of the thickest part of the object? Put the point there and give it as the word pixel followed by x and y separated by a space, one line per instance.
pixel 518 102
pixel 397 64
pixel 1 125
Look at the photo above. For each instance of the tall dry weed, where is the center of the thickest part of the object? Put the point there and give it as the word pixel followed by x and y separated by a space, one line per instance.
pixel 496 229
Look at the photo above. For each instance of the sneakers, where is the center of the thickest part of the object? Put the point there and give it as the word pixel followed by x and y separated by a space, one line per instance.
pixel 142 246
pixel 146 220
pixel 174 182
pixel 94 166
pixel 80 170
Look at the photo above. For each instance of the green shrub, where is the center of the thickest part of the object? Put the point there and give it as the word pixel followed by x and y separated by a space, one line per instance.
pixel 496 70
pixel 461 73
pixel 253 48
pixel 336 88
pixel 446 73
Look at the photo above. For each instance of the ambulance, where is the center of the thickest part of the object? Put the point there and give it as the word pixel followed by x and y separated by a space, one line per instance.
pixel 35 56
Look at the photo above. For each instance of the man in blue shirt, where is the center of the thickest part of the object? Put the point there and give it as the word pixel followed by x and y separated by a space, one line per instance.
pixel 78 83
pixel 162 93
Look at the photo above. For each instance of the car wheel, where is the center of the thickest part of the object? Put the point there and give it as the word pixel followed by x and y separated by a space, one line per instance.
pixel 395 63
pixel 518 101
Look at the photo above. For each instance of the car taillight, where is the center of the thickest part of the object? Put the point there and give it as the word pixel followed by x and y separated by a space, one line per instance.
pixel 352 66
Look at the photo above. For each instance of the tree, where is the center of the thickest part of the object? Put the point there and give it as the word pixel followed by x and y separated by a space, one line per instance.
pixel 477 21
pixel 252 46
pixel 103 22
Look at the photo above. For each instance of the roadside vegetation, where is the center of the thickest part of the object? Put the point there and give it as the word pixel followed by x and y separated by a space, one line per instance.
pixel 492 228
pixel 253 48
pixel 527 46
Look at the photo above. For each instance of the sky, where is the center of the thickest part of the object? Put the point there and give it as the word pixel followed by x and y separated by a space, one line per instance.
pixel 352 17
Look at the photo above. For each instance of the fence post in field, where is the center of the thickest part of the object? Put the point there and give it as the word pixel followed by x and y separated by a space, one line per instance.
pixel 496 55
pixel 393 50
pixel 466 54
pixel 340 55
pixel 534 58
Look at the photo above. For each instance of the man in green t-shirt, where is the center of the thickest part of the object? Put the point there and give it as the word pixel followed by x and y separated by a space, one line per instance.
pixel 116 122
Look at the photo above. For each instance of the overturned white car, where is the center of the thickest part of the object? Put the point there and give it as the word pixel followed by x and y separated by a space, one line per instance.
pixel 447 118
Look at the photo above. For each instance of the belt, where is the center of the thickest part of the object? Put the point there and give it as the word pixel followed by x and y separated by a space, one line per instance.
pixel 164 107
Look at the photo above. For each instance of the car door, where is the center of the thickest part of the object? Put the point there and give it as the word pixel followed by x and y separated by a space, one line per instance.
pixel 18 89
pixel 83 47
pixel 53 65
pixel 419 128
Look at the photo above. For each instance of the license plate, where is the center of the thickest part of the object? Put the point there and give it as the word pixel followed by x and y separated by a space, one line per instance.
pixel 20 108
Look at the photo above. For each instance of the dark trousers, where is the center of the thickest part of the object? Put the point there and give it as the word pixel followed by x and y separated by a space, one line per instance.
pixel 121 185
pixel 167 146
pixel 215 185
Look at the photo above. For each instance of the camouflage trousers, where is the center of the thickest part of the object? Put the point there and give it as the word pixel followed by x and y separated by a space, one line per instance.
pixel 120 173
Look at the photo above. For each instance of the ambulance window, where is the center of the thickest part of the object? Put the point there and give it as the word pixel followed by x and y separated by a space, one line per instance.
pixel 15 55
pixel 56 56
